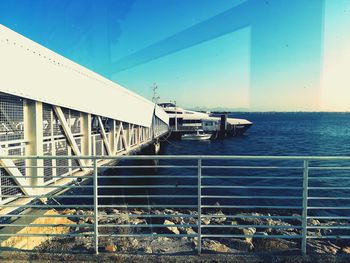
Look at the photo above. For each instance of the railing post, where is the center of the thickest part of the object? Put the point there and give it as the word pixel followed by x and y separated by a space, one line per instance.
pixel 95 205
pixel 305 206
pixel 199 244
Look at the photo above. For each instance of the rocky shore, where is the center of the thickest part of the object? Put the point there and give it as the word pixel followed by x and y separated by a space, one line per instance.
pixel 181 222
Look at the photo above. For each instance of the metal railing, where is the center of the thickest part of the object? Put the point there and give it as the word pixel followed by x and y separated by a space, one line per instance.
pixel 204 199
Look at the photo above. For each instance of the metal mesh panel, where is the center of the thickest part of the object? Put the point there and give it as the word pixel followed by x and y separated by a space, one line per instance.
pixel 47 119
pixel 74 121
pixel 75 163
pixel 98 144
pixel 11 117
pixel 61 150
pixel 57 128
pixel 6 181
pixel 48 170
pixel 19 150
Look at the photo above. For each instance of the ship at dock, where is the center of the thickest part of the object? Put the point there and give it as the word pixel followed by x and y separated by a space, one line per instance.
pixel 182 121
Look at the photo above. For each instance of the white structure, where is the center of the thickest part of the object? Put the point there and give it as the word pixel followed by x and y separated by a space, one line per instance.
pixel 50 105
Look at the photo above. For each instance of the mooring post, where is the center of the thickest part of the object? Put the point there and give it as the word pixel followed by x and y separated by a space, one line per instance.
pixel 305 204
pixel 95 182
pixel 199 244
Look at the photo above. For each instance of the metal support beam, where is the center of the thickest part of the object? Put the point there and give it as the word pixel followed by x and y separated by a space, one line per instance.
pixel 86 140
pixel 112 137
pixel 18 177
pixel 131 133
pixel 104 136
pixel 33 133
pixel 305 204
pixel 69 135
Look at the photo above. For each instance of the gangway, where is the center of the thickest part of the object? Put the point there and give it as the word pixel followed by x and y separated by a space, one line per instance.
pixel 52 106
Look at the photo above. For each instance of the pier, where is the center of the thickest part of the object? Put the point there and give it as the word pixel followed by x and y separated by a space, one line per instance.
pixel 51 106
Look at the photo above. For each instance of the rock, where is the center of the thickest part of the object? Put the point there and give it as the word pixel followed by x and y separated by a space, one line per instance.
pixel 69 211
pixel 137 212
pixel 241 245
pixel 111 248
pixel 168 211
pixel 215 246
pixel 220 218
pixel 137 221
pixel 346 250
pixel 314 222
pixel 253 221
pixel 134 243
pixel 122 218
pixel 190 231
pixel 205 221
pixel 323 247
pixel 148 250
pixel 260 233
pixel 173 230
pixel 272 244
pixel 89 220
pixel 249 231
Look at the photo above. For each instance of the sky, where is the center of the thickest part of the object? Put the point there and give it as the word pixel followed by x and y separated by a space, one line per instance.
pixel 256 55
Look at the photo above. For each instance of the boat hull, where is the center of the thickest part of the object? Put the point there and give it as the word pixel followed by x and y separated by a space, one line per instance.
pixel 190 137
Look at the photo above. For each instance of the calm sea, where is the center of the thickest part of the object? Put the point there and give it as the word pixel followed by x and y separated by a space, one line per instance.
pixel 279 134
pixel 290 134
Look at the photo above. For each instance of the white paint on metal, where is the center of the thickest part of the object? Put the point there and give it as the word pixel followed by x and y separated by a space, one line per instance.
pixel 32 71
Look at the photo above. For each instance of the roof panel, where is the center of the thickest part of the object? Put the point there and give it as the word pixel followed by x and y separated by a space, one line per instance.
pixel 32 71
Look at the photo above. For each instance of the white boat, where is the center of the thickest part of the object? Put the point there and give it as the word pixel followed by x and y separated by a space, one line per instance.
pixel 182 120
pixel 199 135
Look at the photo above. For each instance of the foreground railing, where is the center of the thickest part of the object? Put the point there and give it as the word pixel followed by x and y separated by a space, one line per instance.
pixel 171 204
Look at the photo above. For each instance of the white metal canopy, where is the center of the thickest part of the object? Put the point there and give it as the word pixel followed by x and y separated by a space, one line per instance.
pixel 32 71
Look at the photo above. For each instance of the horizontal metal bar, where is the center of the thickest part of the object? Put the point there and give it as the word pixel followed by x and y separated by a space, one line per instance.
pixel 71 185
pixel 253 236
pixel 250 197
pixel 147 206
pixel 146 196
pixel 329 207
pixel 149 225
pixel 48 206
pixel 252 206
pixel 251 167
pixel 329 177
pixel 150 166
pixel 189 157
pixel 328 227
pixel 252 177
pixel 246 216
pixel 46 216
pixel 51 177
pixel 329 188
pixel 47 235
pixel 42 167
pixel 255 226
pixel 329 217
pixel 150 215
pixel 146 176
pixel 149 186
pixel 252 187
pixel 328 197
pixel 330 237
pixel 47 225
pixel 148 235
pixel 50 196
pixel 329 168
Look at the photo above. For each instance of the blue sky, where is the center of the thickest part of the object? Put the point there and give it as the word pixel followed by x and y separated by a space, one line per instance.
pixel 253 54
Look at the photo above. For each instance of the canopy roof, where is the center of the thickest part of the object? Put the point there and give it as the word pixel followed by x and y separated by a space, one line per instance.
pixel 32 71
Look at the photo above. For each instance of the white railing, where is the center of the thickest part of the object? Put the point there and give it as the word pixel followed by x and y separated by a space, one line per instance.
pixel 216 198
